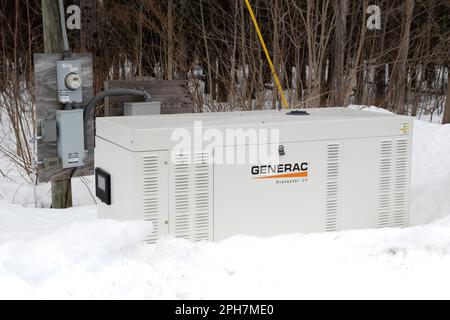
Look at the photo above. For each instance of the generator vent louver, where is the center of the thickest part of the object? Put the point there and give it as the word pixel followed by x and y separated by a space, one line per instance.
pixel 332 187
pixel 191 213
pixel 151 196
pixel 203 199
pixel 400 200
pixel 393 202
pixel 385 188
pixel 181 196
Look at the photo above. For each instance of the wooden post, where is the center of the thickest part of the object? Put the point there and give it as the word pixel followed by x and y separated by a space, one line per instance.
pixel 53 43
pixel 53 38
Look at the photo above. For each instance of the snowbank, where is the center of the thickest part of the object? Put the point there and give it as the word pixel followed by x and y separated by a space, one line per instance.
pixel 106 260
pixel 14 190
pixel 19 223
pixel 69 263
pixel 70 255
pixel 430 172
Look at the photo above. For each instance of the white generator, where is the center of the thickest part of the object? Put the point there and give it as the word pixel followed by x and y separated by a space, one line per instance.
pixel 337 169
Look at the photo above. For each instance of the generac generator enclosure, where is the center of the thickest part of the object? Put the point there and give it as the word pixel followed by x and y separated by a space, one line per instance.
pixel 353 172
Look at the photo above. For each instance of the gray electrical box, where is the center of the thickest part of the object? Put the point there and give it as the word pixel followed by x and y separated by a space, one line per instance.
pixel 68 77
pixel 142 108
pixel 71 150
pixel 48 131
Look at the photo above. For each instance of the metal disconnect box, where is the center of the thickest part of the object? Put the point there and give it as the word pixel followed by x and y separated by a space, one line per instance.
pixel 70 143
pixel 141 108
pixel 337 169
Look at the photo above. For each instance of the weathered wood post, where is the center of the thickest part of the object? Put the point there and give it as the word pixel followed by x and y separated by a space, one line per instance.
pixel 53 43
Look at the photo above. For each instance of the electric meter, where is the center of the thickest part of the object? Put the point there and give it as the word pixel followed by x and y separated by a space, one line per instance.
pixel 69 81
pixel 73 81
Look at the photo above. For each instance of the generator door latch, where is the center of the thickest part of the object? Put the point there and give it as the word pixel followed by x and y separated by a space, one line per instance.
pixel 281 151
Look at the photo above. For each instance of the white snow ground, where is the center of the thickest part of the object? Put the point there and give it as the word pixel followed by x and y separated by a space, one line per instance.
pixel 69 254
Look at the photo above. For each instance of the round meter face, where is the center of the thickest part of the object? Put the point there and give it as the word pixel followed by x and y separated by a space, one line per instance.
pixel 73 81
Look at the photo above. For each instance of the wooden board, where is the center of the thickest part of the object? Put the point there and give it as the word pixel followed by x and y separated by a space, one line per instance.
pixel 173 95
pixel 47 104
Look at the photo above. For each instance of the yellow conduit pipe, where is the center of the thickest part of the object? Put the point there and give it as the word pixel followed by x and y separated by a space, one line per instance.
pixel 263 44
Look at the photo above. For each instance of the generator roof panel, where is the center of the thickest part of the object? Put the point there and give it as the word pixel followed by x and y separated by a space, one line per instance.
pixel 144 133
pixel 244 118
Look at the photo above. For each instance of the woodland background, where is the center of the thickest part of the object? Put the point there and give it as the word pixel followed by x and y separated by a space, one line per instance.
pixel 322 49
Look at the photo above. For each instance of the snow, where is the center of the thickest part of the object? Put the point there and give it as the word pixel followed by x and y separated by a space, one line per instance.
pixel 69 254
pixel 431 172
pixel 19 223
pixel 69 262
pixel 106 260
pixel 15 189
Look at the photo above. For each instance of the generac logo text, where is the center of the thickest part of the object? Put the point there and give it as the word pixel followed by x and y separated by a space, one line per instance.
pixel 297 170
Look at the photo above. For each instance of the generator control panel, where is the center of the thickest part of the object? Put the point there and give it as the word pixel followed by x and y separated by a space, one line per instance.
pixel 69 82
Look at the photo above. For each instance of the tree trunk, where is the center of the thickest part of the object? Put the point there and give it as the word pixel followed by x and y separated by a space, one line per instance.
pixel 276 57
pixel 53 43
pixel 447 107
pixel 399 83
pixel 381 70
pixel 140 42
pixel 243 56
pixel 380 85
pixel 341 9
pixel 89 25
pixel 170 40
pixel 232 98
pixel 208 60
pixel 183 47
pixel 91 11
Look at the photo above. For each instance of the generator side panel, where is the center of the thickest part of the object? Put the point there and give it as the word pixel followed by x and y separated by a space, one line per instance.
pixel 139 186
pixel 376 186
pixel 377 182
pixel 359 184
pixel 119 163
